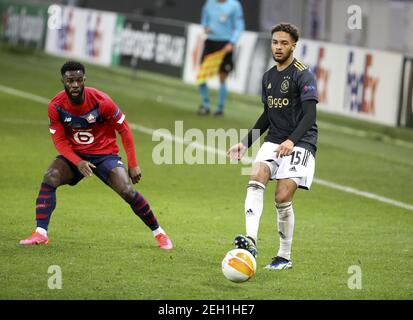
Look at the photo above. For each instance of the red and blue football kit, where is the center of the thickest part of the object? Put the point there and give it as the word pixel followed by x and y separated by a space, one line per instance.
pixel 87 131
pixel 89 128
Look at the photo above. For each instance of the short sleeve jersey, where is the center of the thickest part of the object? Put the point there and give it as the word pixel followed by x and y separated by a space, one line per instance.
pixel 283 93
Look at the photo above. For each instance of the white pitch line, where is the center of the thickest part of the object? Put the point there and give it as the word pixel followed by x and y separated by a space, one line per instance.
pixel 23 94
pixel 364 194
pixel 151 132
pixel 363 134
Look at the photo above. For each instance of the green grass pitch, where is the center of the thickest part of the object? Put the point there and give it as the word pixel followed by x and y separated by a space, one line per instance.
pixel 105 252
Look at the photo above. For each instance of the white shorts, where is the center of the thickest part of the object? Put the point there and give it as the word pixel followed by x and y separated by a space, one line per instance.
pixel 299 166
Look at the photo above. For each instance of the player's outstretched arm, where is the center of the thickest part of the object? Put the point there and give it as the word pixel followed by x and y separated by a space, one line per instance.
pixel 120 124
pixel 237 151
pixel 257 130
pixel 128 144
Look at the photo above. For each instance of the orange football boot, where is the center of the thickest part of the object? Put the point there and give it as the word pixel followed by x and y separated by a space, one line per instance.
pixel 35 238
pixel 164 242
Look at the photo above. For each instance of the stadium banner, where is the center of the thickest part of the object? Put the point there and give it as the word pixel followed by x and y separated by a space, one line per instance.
pixel 238 78
pixel 120 21
pixel 81 33
pixel 406 95
pixel 23 24
pixel 154 46
pixel 355 82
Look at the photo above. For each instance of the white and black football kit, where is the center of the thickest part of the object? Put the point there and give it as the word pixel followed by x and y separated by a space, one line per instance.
pixel 289 97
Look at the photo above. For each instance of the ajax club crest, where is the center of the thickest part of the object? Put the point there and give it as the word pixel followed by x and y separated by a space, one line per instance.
pixel 284 86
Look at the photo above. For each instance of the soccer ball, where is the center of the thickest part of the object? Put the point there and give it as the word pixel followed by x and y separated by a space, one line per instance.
pixel 239 265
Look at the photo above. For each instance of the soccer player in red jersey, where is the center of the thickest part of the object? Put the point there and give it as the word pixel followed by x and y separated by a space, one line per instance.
pixel 83 124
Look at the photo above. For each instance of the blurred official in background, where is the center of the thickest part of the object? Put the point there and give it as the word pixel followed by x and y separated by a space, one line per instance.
pixel 223 22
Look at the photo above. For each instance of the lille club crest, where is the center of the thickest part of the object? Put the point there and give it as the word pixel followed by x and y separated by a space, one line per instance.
pixel 91 118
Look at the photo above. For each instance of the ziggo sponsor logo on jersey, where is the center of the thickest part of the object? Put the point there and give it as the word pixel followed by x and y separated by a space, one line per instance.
pixel 277 102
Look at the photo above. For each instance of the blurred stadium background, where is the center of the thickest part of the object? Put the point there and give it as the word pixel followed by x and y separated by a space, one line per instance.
pixel 145 54
pixel 164 36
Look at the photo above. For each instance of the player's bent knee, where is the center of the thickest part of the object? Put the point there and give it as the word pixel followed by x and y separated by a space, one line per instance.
pixel 283 196
pixel 52 177
pixel 280 198
pixel 127 192
pixel 260 173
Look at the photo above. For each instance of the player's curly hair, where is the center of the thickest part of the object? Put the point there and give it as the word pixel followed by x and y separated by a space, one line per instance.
pixel 72 65
pixel 291 29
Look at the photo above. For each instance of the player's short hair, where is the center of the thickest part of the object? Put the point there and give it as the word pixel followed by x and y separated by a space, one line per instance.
pixel 291 29
pixel 72 65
